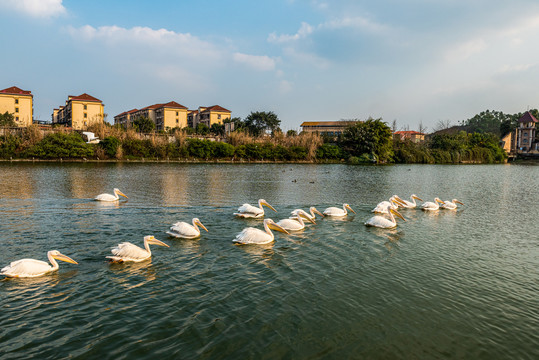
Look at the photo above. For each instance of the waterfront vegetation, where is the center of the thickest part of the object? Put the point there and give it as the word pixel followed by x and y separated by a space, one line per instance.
pixel 368 141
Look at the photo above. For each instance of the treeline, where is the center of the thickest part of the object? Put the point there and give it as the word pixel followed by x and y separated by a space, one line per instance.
pixel 368 141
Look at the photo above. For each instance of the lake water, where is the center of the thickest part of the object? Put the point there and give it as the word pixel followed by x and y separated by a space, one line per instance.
pixel 443 285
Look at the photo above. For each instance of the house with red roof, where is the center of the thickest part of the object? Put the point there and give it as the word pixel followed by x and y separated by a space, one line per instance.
pixel 208 115
pixel 19 103
pixel 525 134
pixel 413 136
pixel 165 116
pixel 327 128
pixel 79 112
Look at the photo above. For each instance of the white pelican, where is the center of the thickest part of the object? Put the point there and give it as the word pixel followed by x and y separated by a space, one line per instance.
pixel 128 252
pixel 394 202
pixel 295 223
pixel 385 223
pixel 110 197
pixel 311 214
pixel 185 230
pixel 451 205
pixel 250 211
pixel 33 268
pixel 431 206
pixel 409 204
pixel 335 211
pixel 256 236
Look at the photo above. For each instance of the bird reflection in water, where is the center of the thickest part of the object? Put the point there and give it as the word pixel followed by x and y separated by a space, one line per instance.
pixel 134 271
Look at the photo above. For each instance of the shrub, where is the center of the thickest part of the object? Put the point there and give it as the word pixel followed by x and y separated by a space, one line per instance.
pixel 110 144
pixel 60 145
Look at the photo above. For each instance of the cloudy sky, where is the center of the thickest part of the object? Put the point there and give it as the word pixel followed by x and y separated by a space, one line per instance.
pixel 306 60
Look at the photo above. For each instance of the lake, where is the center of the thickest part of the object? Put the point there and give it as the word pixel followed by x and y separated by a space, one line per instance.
pixel 442 285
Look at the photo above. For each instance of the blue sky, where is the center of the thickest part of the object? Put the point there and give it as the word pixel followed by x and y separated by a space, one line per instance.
pixel 415 61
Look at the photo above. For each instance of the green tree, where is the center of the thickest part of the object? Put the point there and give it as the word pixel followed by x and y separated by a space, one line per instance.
pixel 371 137
pixel 202 129
pixel 60 145
pixel 486 122
pixel 256 123
pixel 7 119
pixel 291 133
pixel 143 124
pixel 217 129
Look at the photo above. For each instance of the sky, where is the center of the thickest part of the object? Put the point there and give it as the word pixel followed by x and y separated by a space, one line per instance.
pixel 416 62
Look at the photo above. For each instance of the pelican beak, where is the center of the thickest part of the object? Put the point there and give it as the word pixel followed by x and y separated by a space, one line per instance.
pixel 349 208
pixel 306 217
pixel 397 200
pixel 417 198
pixel 157 242
pixel 202 226
pixel 458 202
pixel 122 194
pixel 396 213
pixel 439 201
pixel 318 212
pixel 64 258
pixel 274 226
pixel 268 205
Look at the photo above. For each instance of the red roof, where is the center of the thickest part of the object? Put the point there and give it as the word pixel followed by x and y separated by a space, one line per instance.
pixel 215 108
pixel 84 97
pixel 174 104
pixel 527 117
pixel 15 91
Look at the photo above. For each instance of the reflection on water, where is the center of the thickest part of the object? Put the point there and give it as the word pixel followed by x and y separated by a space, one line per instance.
pixel 360 292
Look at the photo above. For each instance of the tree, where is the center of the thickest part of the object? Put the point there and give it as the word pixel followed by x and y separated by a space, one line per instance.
pixel 202 129
pixel 370 137
pixel 217 129
pixel 258 122
pixel 291 133
pixel 7 119
pixel 143 124
pixel 487 122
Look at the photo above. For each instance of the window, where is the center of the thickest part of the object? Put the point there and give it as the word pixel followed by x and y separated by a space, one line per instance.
pixel 176 113
pixel 85 108
pixel 219 117
pixel 16 118
pixel 177 121
pixel 85 115
pixel 16 101
pixel 17 110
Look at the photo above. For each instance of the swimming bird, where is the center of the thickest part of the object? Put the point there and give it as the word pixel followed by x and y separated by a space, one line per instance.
pixel 393 202
pixel 310 214
pixel 256 236
pixel 409 204
pixel 110 197
pixel 295 223
pixel 432 206
pixel 128 252
pixel 335 211
pixel 385 223
pixel 185 230
pixel 33 268
pixel 450 205
pixel 250 211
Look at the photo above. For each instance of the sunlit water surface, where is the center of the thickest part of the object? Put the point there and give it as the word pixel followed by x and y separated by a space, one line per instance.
pixel 461 284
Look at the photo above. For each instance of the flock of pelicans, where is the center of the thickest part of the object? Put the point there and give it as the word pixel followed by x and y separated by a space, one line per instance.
pixel 127 251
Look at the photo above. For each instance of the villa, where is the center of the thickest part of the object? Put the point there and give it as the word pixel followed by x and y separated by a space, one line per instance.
pixel 79 112
pixel 19 103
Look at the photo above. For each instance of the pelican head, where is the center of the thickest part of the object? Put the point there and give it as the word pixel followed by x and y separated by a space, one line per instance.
pixel 197 222
pixel 265 203
pixel 438 200
pixel 59 256
pixel 396 213
pixel 150 239
pixel 414 196
pixel 305 216
pixel 272 225
pixel 118 192
pixel 313 210
pixel 456 201
pixel 349 208
pixel 397 200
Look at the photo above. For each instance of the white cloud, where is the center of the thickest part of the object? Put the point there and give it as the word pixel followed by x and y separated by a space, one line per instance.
pixel 263 63
pixel 304 31
pixel 35 8
pixel 357 22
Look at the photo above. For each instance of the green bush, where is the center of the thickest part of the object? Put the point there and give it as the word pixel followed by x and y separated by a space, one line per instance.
pixel 9 146
pixel 110 144
pixel 60 145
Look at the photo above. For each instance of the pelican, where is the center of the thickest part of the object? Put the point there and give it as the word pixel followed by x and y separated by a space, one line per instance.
pixel 335 211
pixel 250 211
pixel 394 202
pixel 295 223
pixel 34 268
pixel 110 197
pixel 431 206
pixel 185 230
pixel 255 236
pixel 451 205
pixel 311 214
pixel 128 252
pixel 409 204
pixel 384 223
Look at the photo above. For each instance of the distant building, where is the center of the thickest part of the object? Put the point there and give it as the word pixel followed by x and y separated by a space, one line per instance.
pixel 19 103
pixel 414 136
pixel 525 134
pixel 208 116
pixel 165 116
pixel 329 128
pixel 80 112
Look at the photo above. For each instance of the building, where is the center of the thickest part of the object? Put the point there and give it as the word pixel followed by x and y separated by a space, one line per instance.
pixel 525 134
pixel 208 116
pixel 165 116
pixel 413 136
pixel 80 112
pixel 18 102
pixel 328 128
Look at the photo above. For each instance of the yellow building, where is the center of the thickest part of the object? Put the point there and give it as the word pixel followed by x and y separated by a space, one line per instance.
pixel 413 136
pixel 125 119
pixel 19 103
pixel 170 115
pixel 80 112
pixel 208 116
pixel 329 128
